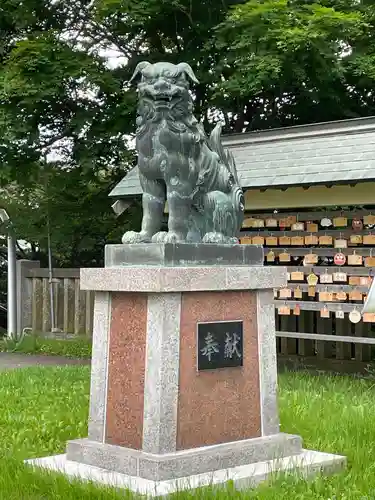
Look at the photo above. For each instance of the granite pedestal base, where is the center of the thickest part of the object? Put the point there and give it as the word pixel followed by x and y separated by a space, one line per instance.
pixel 156 412
pixel 162 467
pixel 305 464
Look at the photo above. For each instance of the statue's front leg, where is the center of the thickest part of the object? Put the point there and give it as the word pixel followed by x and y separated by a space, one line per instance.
pixel 179 207
pixel 153 202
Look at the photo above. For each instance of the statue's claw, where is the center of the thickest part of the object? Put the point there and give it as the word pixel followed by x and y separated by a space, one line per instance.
pixel 134 237
pixel 170 237
pixel 159 237
pixel 216 238
pixel 174 238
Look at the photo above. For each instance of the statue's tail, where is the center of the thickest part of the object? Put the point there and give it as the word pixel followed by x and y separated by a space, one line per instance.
pixel 227 159
pixel 225 155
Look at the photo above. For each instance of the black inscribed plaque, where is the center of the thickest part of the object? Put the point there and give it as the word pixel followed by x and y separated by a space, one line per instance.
pixel 220 345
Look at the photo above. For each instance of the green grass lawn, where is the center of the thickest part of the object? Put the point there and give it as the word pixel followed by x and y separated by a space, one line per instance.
pixel 41 408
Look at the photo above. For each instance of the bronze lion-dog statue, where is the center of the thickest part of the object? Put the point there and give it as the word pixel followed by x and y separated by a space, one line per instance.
pixel 179 164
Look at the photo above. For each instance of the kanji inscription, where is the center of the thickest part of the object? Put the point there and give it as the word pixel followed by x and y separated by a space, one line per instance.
pixel 220 345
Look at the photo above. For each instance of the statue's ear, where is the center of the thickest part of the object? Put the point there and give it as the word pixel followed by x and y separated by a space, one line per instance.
pixel 139 69
pixel 185 68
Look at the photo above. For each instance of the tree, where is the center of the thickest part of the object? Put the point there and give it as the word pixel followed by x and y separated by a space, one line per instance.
pixel 291 62
pixel 66 114
pixel 61 104
pixel 72 208
pixel 261 63
pixel 56 98
pixel 63 119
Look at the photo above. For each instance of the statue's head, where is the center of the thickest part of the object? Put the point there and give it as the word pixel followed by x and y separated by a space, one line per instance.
pixel 164 83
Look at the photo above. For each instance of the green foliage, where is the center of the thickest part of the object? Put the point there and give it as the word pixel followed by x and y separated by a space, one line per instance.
pixel 266 63
pixel 55 85
pixel 261 63
pixel 66 114
pixel 74 206
pixel 77 348
pixel 52 91
pixel 286 62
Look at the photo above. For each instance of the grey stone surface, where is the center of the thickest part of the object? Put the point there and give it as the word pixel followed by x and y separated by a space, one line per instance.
pixel 183 254
pixel 267 363
pixel 13 360
pixel 99 367
pixel 178 163
pixel 183 463
pixel 182 279
pixel 162 373
pixel 110 457
pixel 305 464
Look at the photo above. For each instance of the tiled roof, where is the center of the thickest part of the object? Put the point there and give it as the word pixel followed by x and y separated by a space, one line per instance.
pixel 334 152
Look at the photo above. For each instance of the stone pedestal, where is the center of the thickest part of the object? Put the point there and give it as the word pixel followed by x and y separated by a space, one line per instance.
pixel 165 412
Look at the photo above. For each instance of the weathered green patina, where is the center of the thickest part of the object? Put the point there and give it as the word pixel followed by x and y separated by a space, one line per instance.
pixel 178 163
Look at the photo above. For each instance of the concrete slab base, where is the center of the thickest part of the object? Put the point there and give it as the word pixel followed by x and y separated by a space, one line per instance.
pixel 306 464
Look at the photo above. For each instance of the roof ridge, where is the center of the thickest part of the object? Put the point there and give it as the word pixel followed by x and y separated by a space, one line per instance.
pixel 352 126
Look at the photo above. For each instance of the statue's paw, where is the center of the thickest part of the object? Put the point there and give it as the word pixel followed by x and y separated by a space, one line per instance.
pixel 159 237
pixel 164 237
pixel 215 238
pixel 134 237
pixel 173 238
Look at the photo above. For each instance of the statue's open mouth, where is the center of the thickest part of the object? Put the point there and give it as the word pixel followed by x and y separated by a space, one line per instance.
pixel 163 98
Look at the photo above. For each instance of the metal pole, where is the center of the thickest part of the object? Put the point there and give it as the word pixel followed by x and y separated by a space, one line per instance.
pixel 12 277
pixel 50 279
pixel 53 303
pixel 12 287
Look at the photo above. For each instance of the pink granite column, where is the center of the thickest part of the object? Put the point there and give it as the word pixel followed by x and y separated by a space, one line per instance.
pixel 126 370
pixel 222 405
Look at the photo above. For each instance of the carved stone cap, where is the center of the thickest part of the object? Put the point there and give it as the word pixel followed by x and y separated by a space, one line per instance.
pixel 182 279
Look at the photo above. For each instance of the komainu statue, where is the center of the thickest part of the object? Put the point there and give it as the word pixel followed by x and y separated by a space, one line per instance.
pixel 179 164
